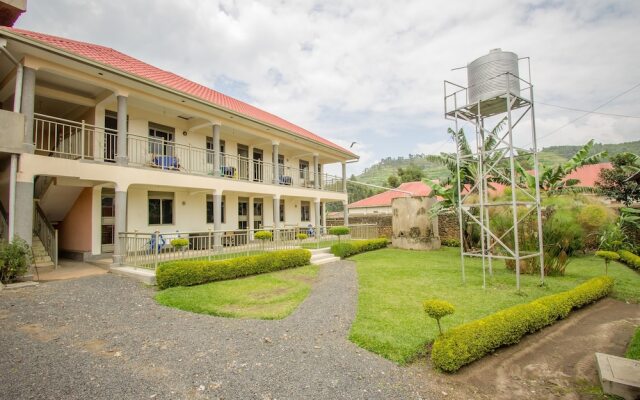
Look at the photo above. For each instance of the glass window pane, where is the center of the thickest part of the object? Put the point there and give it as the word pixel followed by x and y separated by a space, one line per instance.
pixel 209 212
pixel 154 211
pixel 167 211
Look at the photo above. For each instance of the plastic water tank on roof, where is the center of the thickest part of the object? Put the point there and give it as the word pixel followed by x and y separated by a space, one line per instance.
pixel 487 76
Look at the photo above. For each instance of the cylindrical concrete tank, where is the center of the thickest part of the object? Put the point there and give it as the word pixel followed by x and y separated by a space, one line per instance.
pixel 486 75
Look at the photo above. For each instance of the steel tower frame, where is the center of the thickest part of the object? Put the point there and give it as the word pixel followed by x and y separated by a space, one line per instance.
pixel 512 108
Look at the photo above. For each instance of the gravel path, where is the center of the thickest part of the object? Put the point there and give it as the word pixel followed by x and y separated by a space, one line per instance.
pixel 104 337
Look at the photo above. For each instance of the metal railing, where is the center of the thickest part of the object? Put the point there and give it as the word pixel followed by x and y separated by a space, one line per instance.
pixel 147 250
pixel 63 138
pixel 71 139
pixel 46 232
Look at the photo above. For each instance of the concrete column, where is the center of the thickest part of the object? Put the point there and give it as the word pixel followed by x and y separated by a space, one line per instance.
pixel 217 217
pixel 23 220
pixel 317 216
pixel 276 211
pixel 120 204
pixel 344 177
pixel 323 214
pixel 346 212
pixel 320 177
pixel 250 165
pixel 316 176
pixel 216 150
pixel 121 156
pixel 276 166
pixel 28 103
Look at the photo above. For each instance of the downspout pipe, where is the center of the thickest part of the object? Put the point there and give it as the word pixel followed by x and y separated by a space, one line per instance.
pixel 13 174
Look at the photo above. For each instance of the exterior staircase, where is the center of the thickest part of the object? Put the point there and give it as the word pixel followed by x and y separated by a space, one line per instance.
pixel 41 259
pixel 322 256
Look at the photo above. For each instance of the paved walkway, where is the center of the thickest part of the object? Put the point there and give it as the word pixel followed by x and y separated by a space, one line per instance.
pixel 104 337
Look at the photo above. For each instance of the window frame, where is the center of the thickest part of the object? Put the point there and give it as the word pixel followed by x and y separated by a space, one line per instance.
pixel 163 198
pixel 303 205
pixel 208 200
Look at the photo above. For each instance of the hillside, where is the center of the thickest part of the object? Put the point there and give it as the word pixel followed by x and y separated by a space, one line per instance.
pixel 377 173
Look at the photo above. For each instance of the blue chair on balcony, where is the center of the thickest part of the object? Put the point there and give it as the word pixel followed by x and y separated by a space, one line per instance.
pixel 166 162
pixel 285 180
pixel 227 171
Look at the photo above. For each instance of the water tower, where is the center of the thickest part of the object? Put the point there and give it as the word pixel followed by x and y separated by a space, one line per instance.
pixel 497 104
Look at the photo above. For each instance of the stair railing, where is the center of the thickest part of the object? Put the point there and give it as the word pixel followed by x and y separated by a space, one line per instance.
pixel 46 232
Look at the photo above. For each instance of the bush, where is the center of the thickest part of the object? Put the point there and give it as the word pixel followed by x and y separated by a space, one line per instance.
pixel 189 272
pixel 344 250
pixel 450 242
pixel 437 309
pixel 263 235
pixel 301 236
pixel 630 259
pixel 15 258
pixel 180 243
pixel 471 341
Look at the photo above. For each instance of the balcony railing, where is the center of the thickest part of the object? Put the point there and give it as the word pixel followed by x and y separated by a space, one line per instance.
pixel 57 137
pixel 147 250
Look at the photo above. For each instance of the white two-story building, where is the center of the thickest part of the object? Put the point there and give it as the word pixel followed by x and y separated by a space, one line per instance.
pixel 95 142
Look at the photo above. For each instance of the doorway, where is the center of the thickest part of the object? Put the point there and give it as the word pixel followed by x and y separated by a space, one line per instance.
pixel 258 165
pixel 258 209
pixel 243 162
pixel 107 220
pixel 243 213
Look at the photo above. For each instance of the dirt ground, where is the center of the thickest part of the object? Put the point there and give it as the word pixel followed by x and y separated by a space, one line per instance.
pixel 555 363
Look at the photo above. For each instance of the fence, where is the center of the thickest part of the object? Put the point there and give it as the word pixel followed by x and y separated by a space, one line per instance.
pixel 46 232
pixel 147 250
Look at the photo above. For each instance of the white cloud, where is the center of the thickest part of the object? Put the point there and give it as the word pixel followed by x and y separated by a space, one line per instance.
pixel 372 72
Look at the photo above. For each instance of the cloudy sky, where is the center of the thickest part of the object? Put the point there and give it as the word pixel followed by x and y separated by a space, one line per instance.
pixel 373 71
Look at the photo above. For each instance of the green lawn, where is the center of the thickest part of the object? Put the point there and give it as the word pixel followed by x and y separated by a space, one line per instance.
pixel 393 283
pixel 633 351
pixel 268 296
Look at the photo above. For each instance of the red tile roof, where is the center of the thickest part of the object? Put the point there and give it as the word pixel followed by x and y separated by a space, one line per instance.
pixel 587 175
pixel 122 62
pixel 384 199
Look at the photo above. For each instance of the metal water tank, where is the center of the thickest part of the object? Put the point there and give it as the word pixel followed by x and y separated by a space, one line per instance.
pixel 486 75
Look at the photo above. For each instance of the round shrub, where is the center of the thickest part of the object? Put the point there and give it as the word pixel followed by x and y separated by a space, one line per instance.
pixel 594 217
pixel 263 235
pixel 437 309
pixel 339 230
pixel 180 243
pixel 301 236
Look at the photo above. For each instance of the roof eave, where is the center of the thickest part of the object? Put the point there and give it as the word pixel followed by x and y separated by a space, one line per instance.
pixel 115 71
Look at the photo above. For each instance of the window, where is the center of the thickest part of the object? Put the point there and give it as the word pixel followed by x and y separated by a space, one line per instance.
pixel 282 210
pixel 160 208
pixel 210 209
pixel 304 169
pixel 305 211
pixel 161 139
pixel 210 150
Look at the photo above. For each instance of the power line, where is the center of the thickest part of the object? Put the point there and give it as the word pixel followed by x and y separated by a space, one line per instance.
pixel 591 112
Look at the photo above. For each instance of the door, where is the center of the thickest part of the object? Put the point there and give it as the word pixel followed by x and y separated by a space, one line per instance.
pixel 243 213
pixel 257 214
pixel 107 220
pixel 257 165
pixel 243 162
pixel 110 137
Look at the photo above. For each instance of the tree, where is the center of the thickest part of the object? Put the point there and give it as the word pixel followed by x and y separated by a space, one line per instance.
pixel 616 184
pixel 410 173
pixel 393 181
pixel 553 180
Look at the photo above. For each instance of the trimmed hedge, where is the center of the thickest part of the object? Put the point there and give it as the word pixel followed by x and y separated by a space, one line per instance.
pixel 344 250
pixel 471 341
pixel 190 272
pixel 630 259
pixel 633 351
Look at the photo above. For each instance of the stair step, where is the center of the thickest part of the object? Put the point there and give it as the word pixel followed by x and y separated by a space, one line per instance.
pixel 42 259
pixel 326 260
pixel 44 265
pixel 324 250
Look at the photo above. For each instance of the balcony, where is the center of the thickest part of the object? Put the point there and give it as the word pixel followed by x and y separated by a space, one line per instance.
pixel 56 137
